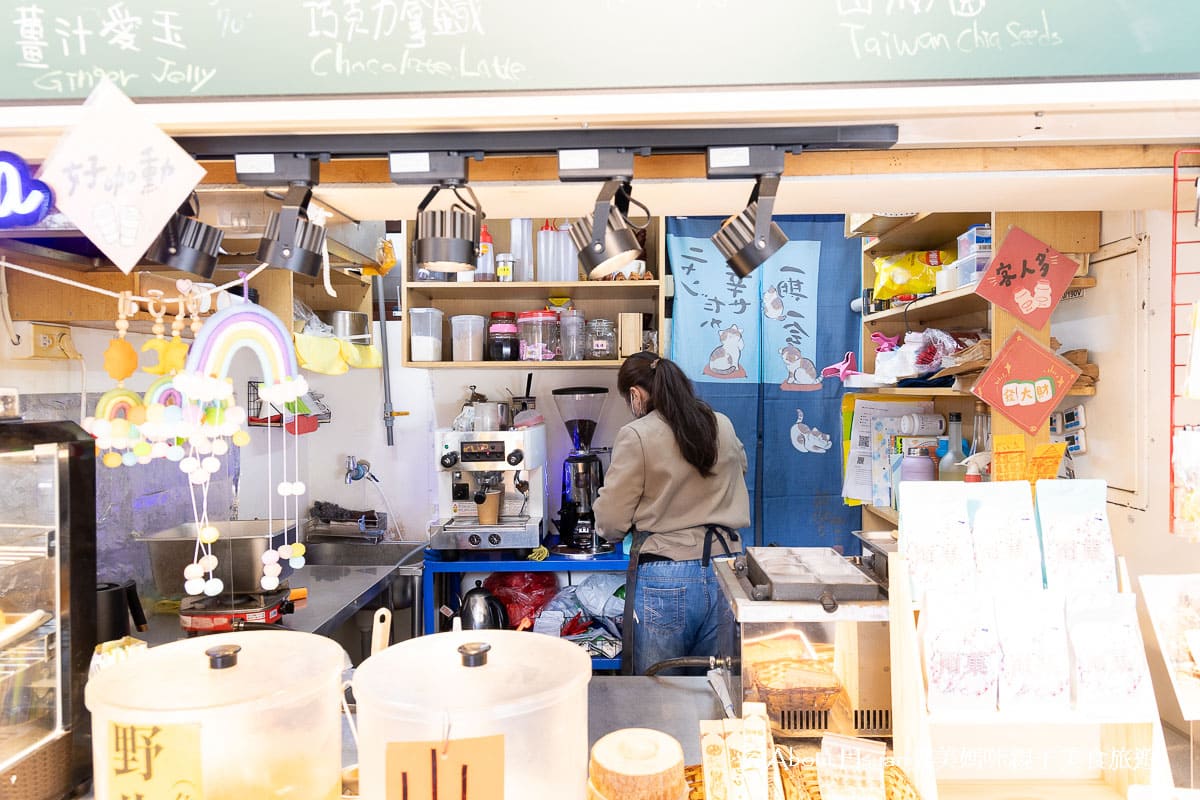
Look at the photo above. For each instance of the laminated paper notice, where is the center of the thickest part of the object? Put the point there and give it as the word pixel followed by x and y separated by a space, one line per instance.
pixel 471 769
pixel 118 177
pixel 153 761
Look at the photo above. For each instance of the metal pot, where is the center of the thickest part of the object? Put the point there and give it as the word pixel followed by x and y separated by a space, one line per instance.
pixel 481 609
pixel 353 326
pixel 238 551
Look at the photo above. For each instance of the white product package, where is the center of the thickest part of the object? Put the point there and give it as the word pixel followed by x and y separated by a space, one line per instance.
pixel 851 769
pixel 1008 555
pixel 935 537
pixel 1108 658
pixel 1076 539
pixel 1035 666
pixel 960 651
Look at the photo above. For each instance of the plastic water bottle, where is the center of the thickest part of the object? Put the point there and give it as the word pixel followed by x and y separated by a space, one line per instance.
pixel 949 469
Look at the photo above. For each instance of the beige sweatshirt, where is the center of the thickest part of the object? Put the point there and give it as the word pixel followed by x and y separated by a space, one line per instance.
pixel 650 485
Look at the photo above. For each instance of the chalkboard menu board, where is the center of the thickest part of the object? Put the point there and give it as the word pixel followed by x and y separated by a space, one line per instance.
pixel 57 49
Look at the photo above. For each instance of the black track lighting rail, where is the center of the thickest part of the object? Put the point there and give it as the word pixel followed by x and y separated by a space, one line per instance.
pixel 546 142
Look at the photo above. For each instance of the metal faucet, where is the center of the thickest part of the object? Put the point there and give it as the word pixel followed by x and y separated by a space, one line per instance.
pixel 356 470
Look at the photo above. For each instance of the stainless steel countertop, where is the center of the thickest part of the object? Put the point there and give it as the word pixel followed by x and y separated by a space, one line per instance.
pixel 334 595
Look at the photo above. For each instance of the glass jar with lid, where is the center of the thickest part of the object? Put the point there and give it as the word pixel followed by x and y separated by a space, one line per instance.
pixel 602 339
pixel 503 342
pixel 573 334
pixel 539 335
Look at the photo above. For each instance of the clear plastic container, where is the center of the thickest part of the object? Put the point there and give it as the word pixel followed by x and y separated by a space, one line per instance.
pixel 568 256
pixel 547 238
pixel 602 340
pixel 284 692
pixel 573 335
pixel 521 238
pixel 531 690
pixel 467 337
pixel 539 335
pixel 425 334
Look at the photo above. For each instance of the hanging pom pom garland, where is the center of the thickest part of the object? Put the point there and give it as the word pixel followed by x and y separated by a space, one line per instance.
pixel 214 421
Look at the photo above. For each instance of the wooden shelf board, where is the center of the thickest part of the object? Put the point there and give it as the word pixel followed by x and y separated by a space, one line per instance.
pixel 493 289
pixel 517 365
pixel 927 231
pixel 1076 391
pixel 1027 790
pixel 883 512
pixel 955 302
pixel 920 392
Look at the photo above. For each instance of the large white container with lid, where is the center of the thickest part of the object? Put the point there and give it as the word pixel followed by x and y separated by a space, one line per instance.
pixel 252 714
pixel 525 692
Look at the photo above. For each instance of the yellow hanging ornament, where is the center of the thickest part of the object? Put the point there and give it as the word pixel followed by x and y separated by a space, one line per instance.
pixel 120 359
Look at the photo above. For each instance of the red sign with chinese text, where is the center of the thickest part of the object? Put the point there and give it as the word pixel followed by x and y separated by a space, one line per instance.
pixel 1025 381
pixel 1027 277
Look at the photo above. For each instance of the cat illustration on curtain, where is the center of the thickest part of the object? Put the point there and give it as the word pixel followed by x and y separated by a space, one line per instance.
pixel 802 372
pixel 726 360
pixel 809 440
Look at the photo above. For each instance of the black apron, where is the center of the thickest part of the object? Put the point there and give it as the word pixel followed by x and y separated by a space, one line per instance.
pixel 711 532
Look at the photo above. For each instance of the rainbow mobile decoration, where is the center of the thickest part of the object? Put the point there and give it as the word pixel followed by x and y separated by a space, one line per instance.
pixel 211 416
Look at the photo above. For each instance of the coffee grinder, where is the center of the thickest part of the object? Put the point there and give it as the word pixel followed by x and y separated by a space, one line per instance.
pixel 582 476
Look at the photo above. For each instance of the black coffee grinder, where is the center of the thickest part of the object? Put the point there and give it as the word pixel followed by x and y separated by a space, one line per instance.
pixel 583 475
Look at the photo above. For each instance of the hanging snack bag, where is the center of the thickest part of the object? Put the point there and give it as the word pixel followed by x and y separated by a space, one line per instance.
pixel 909 273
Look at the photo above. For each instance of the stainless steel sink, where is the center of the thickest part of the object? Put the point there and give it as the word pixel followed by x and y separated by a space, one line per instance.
pixel 360 554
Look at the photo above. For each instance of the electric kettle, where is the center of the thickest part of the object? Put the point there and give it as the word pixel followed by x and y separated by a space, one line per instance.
pixel 481 609
pixel 115 603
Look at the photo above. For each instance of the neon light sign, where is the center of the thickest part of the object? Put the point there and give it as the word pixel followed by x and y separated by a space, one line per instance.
pixel 24 200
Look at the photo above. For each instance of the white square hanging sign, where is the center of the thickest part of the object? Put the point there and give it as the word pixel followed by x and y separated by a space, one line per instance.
pixel 118 177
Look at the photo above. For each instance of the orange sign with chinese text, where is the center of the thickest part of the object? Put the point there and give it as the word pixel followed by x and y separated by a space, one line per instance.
pixel 152 761
pixel 1027 277
pixel 1025 381
pixel 462 769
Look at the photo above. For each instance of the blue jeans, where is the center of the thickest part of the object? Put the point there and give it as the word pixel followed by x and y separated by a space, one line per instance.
pixel 678 605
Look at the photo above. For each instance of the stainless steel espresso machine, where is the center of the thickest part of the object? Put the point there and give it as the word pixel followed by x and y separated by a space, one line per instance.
pixel 470 464
pixel 583 475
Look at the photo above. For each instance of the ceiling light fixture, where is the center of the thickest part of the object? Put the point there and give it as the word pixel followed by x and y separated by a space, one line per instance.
pixel 290 240
pixel 606 239
pixel 445 240
pixel 186 243
pixel 751 237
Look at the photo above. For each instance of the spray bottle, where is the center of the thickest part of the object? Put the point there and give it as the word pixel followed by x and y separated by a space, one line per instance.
pixel 976 465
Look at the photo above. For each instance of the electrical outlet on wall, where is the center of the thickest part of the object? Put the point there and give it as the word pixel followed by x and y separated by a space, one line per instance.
pixel 40 340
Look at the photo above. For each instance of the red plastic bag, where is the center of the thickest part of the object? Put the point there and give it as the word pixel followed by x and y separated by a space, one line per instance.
pixel 524 594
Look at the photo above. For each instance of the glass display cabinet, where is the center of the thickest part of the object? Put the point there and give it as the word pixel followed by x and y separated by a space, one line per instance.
pixel 47 607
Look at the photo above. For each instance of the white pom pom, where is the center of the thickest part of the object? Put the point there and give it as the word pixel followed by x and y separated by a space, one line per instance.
pixel 210 464
pixel 298 488
pixel 296 562
pixel 285 551
pixel 194 586
pixel 220 447
pixel 272 570
pixel 208 563
pixel 198 477
pixel 193 571
pixel 269 583
pixel 270 557
pixel 284 488
pixel 213 586
pixel 189 465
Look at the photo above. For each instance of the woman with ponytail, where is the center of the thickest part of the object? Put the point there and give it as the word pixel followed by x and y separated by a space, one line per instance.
pixel 677 484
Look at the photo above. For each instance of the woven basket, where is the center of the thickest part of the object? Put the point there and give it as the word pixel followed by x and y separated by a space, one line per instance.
pixel 803 783
pixel 786 685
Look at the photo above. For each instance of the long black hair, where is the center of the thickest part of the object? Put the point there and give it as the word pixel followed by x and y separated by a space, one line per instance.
pixel 672 395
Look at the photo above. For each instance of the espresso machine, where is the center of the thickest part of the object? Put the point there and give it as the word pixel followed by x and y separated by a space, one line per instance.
pixel 583 475
pixel 469 465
